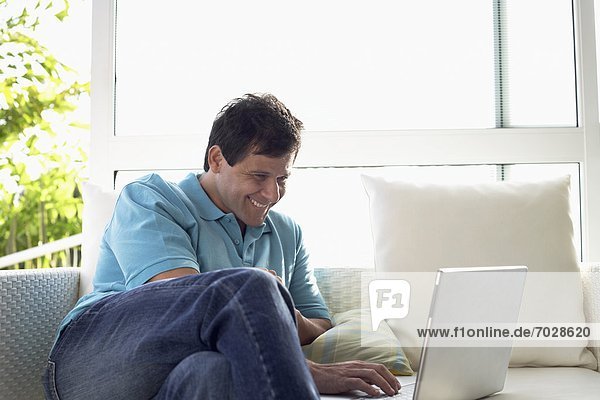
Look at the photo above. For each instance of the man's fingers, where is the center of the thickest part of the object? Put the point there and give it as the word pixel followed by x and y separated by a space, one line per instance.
pixel 275 275
pixel 373 377
pixel 388 376
pixel 354 375
pixel 377 374
pixel 360 384
pixel 272 272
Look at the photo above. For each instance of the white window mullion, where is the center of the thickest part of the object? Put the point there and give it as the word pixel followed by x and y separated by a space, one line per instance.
pixel 588 98
pixel 102 89
pixel 443 147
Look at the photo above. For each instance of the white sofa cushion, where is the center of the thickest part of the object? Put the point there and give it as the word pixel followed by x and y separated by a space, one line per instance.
pixel 550 384
pixel 98 206
pixel 557 383
pixel 420 227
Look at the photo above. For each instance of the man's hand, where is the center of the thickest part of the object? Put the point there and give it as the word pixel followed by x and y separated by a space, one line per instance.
pixel 273 273
pixel 353 375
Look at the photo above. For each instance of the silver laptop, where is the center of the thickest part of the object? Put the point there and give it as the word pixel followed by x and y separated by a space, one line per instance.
pixel 464 298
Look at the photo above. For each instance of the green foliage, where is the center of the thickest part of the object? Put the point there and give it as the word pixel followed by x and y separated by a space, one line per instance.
pixel 42 155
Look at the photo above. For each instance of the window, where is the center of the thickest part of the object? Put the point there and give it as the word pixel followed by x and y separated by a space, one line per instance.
pixel 347 65
pixel 535 63
pixel 384 85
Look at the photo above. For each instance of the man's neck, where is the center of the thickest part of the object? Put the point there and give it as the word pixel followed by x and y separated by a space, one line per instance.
pixel 207 182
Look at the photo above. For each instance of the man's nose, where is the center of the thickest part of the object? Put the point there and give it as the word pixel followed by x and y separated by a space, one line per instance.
pixel 271 191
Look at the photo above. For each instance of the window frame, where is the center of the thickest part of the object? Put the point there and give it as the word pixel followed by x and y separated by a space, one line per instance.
pixel 110 153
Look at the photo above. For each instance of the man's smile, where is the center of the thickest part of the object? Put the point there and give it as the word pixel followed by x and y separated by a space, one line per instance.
pixel 257 204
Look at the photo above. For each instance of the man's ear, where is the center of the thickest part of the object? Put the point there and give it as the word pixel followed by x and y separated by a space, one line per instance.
pixel 215 159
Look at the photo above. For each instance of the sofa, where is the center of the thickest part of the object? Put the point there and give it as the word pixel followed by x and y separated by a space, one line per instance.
pixel 33 302
pixel 414 232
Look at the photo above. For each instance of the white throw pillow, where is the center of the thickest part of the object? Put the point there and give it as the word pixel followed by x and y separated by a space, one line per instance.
pixel 98 206
pixel 420 227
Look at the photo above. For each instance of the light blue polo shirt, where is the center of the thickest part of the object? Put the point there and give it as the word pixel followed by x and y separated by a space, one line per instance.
pixel 158 226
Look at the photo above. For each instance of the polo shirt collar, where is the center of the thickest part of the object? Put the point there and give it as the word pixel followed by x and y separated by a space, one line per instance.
pixel 206 208
pixel 204 205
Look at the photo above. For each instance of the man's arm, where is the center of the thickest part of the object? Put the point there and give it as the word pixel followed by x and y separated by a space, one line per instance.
pixel 173 273
pixel 310 328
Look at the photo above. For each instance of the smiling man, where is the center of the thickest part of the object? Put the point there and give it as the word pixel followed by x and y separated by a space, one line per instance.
pixel 201 290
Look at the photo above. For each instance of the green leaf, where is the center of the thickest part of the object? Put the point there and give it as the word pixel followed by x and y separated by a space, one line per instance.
pixel 40 155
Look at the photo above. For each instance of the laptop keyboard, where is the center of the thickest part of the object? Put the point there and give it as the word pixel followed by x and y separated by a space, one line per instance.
pixel 406 393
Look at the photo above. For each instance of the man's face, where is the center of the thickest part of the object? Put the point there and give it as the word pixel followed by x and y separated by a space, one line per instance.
pixel 252 186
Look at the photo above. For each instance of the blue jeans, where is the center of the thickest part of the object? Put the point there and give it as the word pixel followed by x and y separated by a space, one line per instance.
pixel 223 334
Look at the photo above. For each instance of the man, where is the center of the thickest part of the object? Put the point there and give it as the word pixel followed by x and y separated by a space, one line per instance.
pixel 201 291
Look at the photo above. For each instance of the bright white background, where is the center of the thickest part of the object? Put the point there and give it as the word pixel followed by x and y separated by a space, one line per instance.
pixel 343 65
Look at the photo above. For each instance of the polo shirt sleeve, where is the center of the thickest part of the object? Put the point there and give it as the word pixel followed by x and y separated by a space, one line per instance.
pixel 148 233
pixel 303 286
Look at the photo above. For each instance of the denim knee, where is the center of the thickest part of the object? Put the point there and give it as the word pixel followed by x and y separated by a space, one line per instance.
pixel 236 279
pixel 259 277
pixel 263 282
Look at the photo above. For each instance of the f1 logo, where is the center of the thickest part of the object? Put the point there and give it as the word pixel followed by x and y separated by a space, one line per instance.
pixel 388 298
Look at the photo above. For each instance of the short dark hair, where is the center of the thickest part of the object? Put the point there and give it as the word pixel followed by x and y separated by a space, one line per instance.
pixel 254 124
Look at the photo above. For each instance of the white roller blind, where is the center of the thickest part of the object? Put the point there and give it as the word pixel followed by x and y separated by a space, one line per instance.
pixel 347 65
pixel 340 65
pixel 535 63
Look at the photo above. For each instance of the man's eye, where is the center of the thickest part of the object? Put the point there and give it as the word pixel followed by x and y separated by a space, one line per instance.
pixel 260 177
